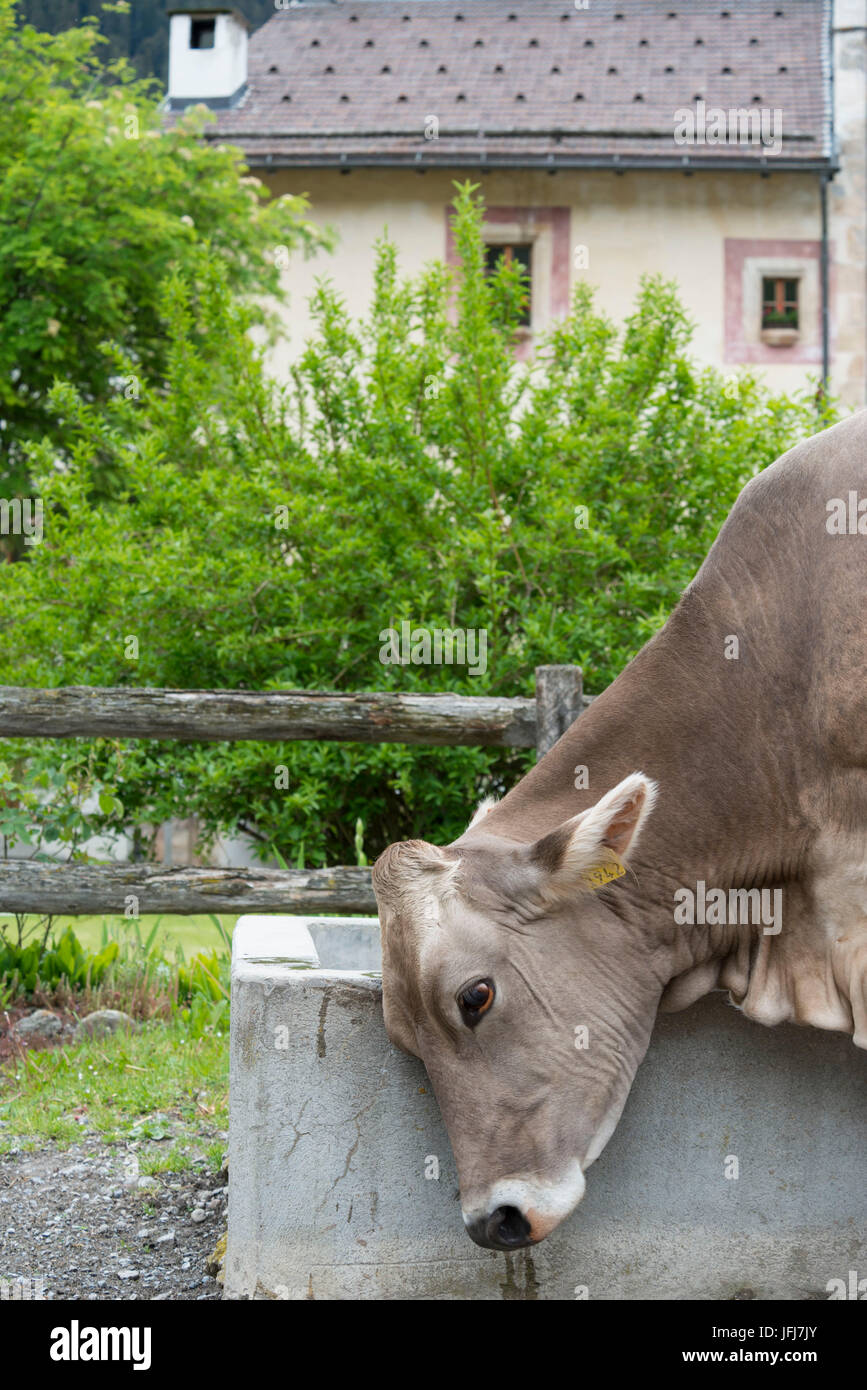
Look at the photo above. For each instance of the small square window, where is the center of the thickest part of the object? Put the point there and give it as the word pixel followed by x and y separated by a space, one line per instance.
pixel 202 33
pixel 520 252
pixel 779 303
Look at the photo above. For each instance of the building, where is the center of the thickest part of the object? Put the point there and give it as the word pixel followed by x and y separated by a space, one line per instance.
pixel 721 143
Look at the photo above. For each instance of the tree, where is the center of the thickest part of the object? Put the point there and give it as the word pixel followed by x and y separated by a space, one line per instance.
pixel 137 31
pixel 269 533
pixel 98 202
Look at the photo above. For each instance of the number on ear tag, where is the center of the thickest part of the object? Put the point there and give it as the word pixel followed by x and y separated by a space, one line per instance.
pixel 600 874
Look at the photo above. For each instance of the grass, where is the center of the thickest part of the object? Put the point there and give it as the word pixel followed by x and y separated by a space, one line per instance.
pixel 161 1085
pixel 165 1086
pixel 145 977
pixel 192 933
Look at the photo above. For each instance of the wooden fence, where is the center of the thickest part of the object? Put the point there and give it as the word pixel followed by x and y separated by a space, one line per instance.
pixel 271 716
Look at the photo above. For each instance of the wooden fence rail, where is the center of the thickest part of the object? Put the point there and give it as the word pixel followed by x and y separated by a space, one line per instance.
pixel 270 716
pixel 132 890
pixel 278 716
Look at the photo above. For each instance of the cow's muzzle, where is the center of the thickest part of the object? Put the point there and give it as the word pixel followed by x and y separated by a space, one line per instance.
pixel 503 1229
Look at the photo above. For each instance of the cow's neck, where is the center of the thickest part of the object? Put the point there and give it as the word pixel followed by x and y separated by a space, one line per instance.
pixel 708 730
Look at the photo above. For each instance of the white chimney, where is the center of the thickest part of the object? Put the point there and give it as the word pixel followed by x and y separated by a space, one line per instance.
pixel 207 55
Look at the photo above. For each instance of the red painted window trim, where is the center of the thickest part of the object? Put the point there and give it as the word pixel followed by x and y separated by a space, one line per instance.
pixel 735 348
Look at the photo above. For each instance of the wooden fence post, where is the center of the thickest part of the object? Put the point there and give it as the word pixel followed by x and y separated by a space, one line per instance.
pixel 559 701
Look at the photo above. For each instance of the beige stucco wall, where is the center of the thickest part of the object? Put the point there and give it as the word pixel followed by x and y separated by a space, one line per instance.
pixel 847 200
pixel 634 222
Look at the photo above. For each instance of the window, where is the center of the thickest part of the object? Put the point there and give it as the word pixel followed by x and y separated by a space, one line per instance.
pixel 773 301
pixel 779 303
pixel 520 252
pixel 202 33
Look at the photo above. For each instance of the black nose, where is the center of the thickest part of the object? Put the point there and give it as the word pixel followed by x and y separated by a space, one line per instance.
pixel 505 1229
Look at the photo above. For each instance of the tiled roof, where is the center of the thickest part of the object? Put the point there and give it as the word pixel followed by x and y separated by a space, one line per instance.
pixel 530 82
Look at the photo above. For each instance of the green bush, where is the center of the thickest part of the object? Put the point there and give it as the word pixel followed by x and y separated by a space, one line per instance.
pixel 35 960
pixel 268 532
pixel 39 964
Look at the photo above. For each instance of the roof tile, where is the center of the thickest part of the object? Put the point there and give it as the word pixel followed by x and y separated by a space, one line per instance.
pixel 524 82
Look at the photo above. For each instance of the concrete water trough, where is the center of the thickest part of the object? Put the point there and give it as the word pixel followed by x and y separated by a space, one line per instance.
pixel 342 1182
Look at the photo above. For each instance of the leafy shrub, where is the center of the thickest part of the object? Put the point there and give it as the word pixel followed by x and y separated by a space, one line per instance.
pixel 33 964
pixel 267 533
pixel 204 976
pixel 128 971
pixel 97 199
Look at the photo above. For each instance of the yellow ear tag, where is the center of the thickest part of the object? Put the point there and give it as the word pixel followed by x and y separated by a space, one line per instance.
pixel 600 874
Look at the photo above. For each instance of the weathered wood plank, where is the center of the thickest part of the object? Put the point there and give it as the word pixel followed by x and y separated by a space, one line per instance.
pixel 132 889
pixel 559 701
pixel 271 716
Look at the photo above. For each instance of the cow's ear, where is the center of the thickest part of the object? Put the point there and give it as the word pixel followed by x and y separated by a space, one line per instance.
pixel 589 848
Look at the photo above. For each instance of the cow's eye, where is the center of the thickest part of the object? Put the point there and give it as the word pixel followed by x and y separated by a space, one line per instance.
pixel 475 1000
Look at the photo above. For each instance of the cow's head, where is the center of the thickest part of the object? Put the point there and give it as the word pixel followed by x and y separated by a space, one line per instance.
pixel 509 970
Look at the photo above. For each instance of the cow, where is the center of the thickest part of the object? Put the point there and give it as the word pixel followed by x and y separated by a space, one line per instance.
pixel 525 963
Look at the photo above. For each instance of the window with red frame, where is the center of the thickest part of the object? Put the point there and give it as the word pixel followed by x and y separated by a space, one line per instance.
pixel 779 302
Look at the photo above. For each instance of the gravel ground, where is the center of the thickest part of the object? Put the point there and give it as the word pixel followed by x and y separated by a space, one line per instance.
pixel 83 1221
